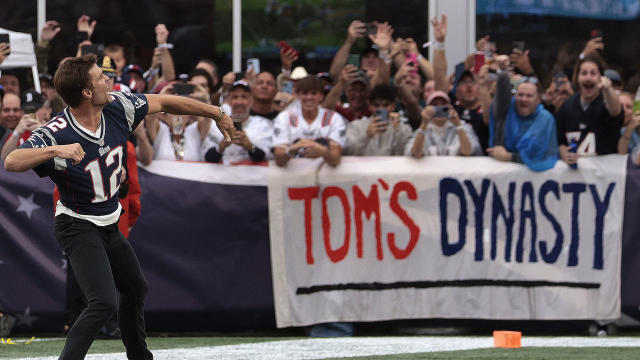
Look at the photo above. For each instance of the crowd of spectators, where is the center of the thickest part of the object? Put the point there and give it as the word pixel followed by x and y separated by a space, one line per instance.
pixel 387 100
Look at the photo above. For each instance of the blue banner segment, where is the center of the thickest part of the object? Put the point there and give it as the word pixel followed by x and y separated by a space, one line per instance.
pixel 606 10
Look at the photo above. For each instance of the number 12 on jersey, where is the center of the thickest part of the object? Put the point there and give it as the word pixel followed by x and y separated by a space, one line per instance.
pixel 94 170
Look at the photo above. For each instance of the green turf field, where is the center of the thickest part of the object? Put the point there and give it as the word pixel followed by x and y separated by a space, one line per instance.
pixel 240 347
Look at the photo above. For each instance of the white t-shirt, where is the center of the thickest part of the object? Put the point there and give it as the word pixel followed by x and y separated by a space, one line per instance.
pixel 290 126
pixel 163 146
pixel 259 131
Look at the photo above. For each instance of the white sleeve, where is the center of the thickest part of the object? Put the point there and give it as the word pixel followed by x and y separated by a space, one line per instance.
pixel 338 129
pixel 356 138
pixel 281 129
pixel 263 137
pixel 476 149
pixel 409 146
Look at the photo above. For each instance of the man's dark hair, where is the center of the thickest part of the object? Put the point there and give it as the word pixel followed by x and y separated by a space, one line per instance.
pixel 383 92
pixel 309 84
pixel 592 58
pixel 212 64
pixel 202 72
pixel 72 77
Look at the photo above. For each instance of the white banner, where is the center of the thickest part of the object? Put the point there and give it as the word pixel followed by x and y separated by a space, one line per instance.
pixel 381 238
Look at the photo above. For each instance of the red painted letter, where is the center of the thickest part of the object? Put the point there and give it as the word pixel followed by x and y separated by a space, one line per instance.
pixel 368 205
pixel 414 230
pixel 306 194
pixel 341 252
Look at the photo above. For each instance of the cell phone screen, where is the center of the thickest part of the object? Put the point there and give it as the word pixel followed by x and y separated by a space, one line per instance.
pixel 354 59
pixel 255 64
pixel 636 105
pixel 287 86
pixel 4 38
pixel 382 114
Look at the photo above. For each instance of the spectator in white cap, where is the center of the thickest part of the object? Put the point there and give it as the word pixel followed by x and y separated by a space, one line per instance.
pixel 441 132
pixel 252 141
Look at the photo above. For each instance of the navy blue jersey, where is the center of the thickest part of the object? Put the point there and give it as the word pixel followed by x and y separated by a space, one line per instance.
pixel 90 187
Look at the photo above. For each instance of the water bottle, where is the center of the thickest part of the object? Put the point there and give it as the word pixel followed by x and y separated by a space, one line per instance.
pixel 573 148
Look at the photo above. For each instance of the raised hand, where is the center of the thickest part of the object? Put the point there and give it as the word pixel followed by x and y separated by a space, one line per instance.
pixel 5 51
pixel 162 34
pixel 357 29
pixel 439 27
pixel 288 57
pixel 593 45
pixel 348 72
pixel 521 61
pixel 382 37
pixel 427 114
pixel 50 30
pixel 84 25
pixel 605 83
pixel 376 127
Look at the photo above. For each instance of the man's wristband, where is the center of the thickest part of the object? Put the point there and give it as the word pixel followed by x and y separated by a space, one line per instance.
pixel 15 134
pixel 439 45
pixel 220 116
pixel 165 46
pixel 384 55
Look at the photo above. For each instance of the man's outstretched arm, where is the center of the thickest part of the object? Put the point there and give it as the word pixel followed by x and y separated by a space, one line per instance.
pixel 24 159
pixel 180 105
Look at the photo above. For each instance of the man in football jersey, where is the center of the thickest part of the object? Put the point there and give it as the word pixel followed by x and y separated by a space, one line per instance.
pixel 307 130
pixel 592 117
pixel 82 151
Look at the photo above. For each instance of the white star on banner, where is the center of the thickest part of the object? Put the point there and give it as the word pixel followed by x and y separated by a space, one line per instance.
pixel 27 205
pixel 26 318
pixel 64 264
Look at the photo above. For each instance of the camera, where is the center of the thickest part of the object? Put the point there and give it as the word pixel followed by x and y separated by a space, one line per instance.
pixel 442 111
pixel 372 28
pixel 183 89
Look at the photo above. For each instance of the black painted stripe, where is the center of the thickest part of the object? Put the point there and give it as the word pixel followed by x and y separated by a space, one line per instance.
pixel 377 286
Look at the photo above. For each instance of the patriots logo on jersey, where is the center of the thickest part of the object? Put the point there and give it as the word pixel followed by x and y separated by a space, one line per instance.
pixel 137 102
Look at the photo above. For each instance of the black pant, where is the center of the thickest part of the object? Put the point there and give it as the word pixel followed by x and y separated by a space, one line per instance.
pixel 103 261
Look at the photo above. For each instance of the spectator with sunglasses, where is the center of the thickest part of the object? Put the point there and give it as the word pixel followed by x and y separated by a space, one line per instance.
pixel 520 129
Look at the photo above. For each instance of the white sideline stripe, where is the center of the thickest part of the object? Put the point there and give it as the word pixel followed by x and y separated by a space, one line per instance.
pixel 360 346
pixel 210 173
